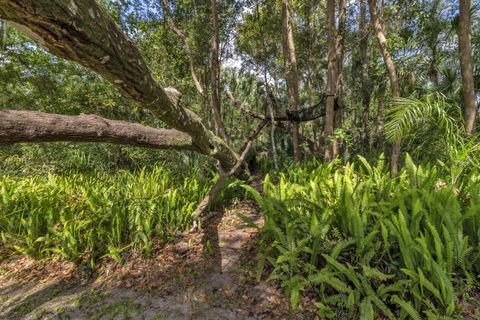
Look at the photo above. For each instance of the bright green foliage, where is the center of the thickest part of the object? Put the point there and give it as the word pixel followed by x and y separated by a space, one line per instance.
pixel 80 216
pixel 405 115
pixel 368 244
pixel 432 128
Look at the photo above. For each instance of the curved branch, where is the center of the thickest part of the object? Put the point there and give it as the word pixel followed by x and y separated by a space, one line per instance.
pixel 303 115
pixel 184 40
pixel 203 206
pixel 82 31
pixel 31 126
pixel 277 120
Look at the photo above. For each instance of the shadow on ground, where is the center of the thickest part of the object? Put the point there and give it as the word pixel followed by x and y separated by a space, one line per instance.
pixel 208 275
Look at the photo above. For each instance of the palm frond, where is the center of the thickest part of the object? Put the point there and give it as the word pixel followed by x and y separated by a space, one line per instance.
pixel 407 114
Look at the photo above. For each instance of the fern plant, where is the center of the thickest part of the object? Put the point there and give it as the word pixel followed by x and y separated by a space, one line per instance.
pixel 432 128
pixel 368 244
pixel 96 215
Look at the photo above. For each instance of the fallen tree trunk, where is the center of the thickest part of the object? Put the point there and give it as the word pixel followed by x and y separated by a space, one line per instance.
pixel 30 126
pixel 82 31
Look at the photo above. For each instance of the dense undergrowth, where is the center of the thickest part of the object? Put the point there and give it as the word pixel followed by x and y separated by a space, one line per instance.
pixel 365 243
pixel 359 241
pixel 83 216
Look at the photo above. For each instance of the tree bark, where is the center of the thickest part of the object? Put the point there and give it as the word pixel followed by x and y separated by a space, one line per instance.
pixel 3 29
pixel 331 82
pixel 290 60
pixel 215 73
pixel 469 98
pixel 81 31
pixel 272 118
pixel 364 75
pixel 433 67
pixel 392 74
pixel 379 123
pixel 340 91
pixel 30 126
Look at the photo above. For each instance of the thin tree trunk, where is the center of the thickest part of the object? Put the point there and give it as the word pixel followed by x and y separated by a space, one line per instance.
pixel 207 201
pixel 331 81
pixel 340 92
pixel 433 68
pixel 365 79
pixel 215 73
pixel 3 29
pixel 392 74
pixel 469 98
pixel 183 38
pixel 310 66
pixel 272 117
pixel 82 31
pixel 290 59
pixel 379 123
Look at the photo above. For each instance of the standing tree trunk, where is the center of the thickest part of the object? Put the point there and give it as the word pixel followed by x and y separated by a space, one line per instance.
pixel 331 82
pixel 215 73
pixel 433 67
pixel 290 59
pixel 313 125
pixel 392 74
pixel 342 14
pixel 365 79
pixel 3 33
pixel 272 117
pixel 465 53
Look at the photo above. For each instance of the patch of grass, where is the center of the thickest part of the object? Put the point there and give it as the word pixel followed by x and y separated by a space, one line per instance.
pixel 125 308
pixel 32 302
pixel 92 296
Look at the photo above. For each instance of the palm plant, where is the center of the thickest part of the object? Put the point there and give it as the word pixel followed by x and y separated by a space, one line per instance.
pixel 433 129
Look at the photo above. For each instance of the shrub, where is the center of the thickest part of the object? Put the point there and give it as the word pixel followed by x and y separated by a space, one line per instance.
pixel 366 243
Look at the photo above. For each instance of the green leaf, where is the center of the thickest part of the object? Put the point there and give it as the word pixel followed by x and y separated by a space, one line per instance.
pixel 407 307
pixel 366 310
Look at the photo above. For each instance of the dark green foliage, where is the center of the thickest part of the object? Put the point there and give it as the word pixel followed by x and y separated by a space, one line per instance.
pixel 366 243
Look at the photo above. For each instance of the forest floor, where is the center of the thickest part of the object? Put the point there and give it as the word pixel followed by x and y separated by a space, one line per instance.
pixel 201 275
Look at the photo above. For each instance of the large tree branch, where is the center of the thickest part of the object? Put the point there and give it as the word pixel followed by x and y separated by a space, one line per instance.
pixel 30 126
pixel 304 115
pixel 82 31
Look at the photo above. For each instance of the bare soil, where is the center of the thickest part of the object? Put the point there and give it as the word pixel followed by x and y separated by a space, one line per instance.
pixel 201 275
